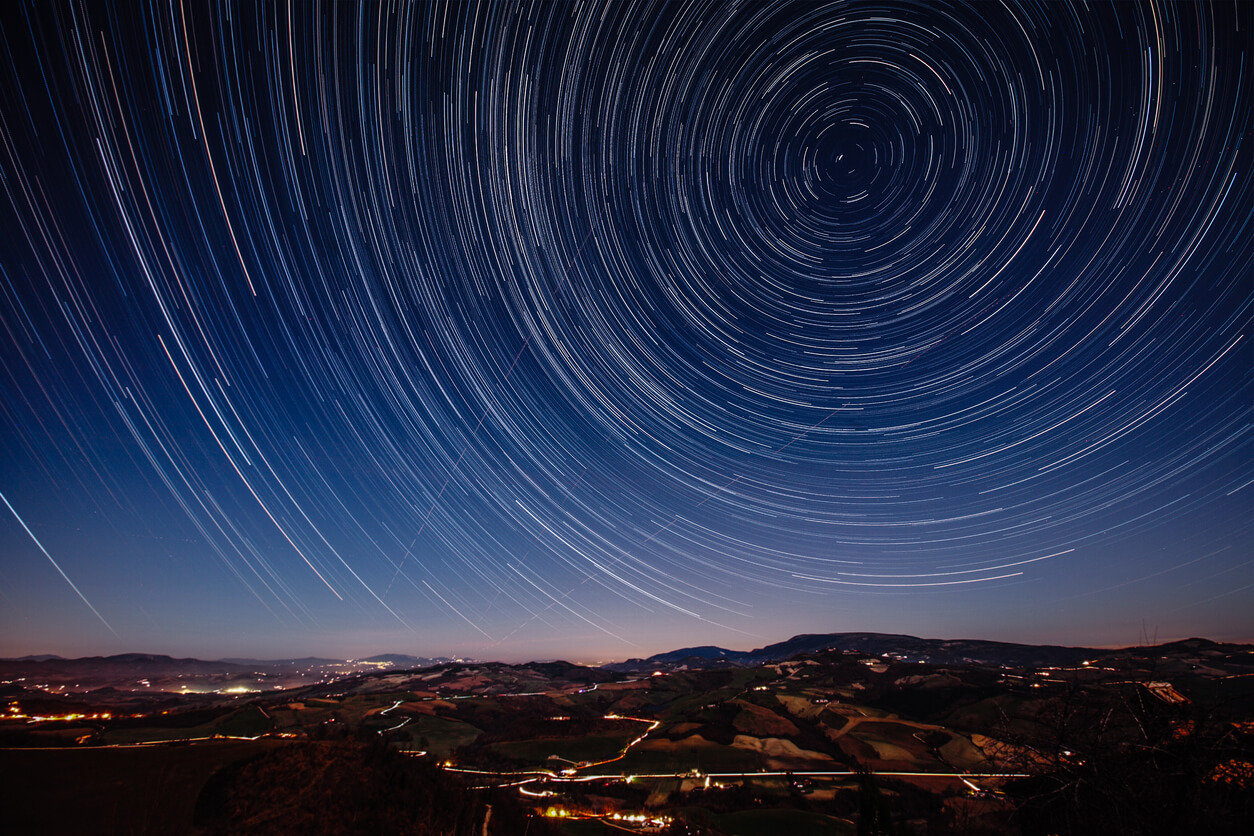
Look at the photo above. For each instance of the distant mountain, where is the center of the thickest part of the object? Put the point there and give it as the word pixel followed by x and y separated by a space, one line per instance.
pixel 144 659
pixel 915 649
pixel 934 651
pixel 154 673
pixel 401 660
pixel 703 652
pixel 138 673
pixel 304 662
pixel 120 665
pixel 41 657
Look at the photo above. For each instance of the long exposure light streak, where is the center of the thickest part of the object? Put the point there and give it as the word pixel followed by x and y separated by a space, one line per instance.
pixel 530 325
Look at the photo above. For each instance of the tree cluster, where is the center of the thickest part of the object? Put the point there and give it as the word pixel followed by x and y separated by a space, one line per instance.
pixel 343 787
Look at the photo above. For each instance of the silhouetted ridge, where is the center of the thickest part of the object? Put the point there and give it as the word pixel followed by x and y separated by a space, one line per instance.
pixel 905 648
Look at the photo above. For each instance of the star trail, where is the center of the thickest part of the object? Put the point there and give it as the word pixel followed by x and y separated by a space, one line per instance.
pixel 597 329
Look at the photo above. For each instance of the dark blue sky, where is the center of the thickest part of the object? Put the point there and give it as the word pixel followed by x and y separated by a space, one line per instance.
pixel 595 330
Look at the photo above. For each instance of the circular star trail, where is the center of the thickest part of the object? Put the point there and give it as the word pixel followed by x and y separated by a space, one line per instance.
pixel 526 322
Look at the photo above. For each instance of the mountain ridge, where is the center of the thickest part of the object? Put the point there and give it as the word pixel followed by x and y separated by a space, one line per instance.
pixel 900 647
pixel 905 648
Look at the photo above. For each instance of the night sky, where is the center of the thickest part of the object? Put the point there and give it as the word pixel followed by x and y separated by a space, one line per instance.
pixel 593 330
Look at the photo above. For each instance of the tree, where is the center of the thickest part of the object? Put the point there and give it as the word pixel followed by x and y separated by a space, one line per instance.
pixel 334 788
pixel 1125 761
pixel 874 814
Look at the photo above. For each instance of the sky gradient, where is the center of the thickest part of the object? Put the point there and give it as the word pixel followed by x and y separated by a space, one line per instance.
pixel 593 330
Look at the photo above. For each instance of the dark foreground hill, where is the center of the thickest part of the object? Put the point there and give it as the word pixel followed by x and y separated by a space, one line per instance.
pixel 347 787
pixel 313 788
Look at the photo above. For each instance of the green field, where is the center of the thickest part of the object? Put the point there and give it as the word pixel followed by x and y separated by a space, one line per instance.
pixel 248 721
pixel 441 735
pixel 590 748
pixel 663 756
